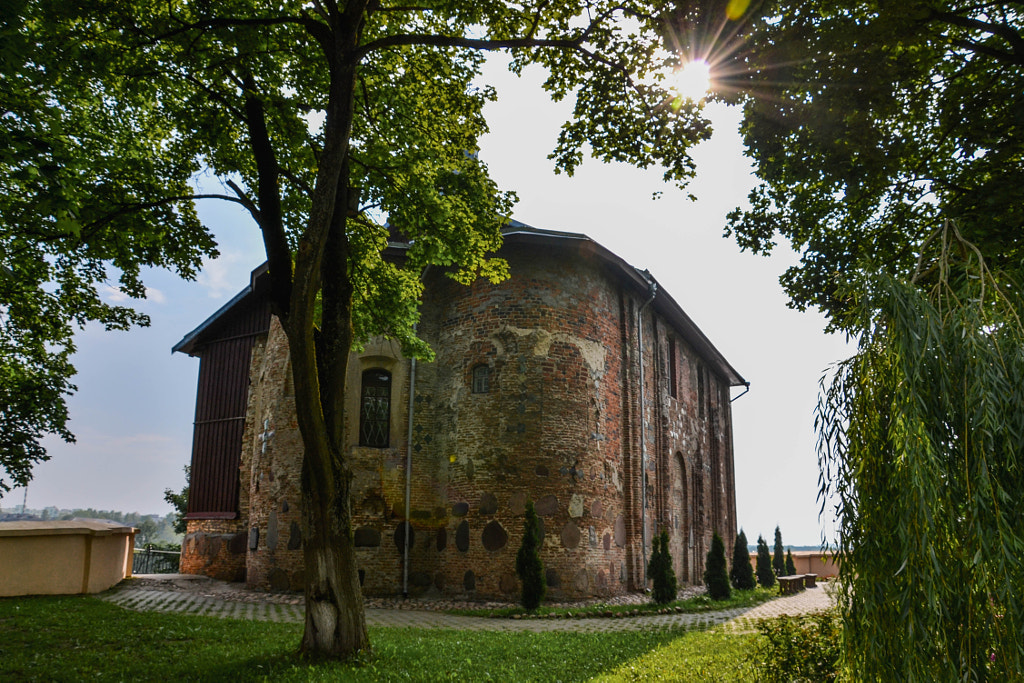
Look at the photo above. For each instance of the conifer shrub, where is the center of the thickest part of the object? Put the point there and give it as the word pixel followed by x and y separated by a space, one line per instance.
pixel 742 573
pixel 529 567
pixel 790 566
pixel 778 558
pixel 716 574
pixel 660 571
pixel 765 575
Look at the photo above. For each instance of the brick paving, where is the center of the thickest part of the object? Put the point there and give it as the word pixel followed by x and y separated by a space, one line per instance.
pixel 219 599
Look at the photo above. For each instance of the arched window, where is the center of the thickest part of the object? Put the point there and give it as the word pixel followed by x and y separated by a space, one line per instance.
pixel 481 379
pixel 375 409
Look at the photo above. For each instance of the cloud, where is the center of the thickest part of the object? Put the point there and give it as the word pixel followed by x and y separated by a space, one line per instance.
pixel 219 276
pixel 116 296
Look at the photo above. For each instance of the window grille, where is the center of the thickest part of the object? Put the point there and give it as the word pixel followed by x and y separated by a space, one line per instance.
pixel 375 409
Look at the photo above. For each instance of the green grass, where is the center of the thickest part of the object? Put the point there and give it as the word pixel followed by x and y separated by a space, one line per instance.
pixel 701 603
pixel 83 638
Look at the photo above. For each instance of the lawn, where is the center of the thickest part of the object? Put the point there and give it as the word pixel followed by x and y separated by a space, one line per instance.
pixel 83 638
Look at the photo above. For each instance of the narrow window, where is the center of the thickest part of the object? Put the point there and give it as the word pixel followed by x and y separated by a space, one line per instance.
pixel 481 379
pixel 375 409
pixel 673 370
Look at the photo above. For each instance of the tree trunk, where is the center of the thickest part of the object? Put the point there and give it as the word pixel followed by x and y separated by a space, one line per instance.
pixel 335 621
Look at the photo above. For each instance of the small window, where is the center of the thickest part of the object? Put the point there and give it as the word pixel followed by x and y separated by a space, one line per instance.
pixel 375 409
pixel 481 379
pixel 673 370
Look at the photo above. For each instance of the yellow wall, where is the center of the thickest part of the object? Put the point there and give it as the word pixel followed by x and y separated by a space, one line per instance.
pixel 810 562
pixel 63 557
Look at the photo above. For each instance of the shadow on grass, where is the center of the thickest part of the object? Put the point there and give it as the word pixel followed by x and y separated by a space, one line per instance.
pixel 77 638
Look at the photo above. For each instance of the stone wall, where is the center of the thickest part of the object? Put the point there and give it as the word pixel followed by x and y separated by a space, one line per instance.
pixel 558 425
pixel 215 548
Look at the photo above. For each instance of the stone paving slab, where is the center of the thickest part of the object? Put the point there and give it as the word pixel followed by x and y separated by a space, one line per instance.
pixel 155 599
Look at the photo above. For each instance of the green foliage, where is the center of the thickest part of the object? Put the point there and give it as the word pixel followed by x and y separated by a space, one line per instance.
pixel 716 574
pixel 790 567
pixel 741 575
pixel 529 567
pixel 870 122
pixel 765 573
pixel 920 439
pixel 179 501
pixel 660 571
pixel 778 556
pixel 799 649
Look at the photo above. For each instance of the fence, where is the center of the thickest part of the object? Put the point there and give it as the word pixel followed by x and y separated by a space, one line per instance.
pixel 150 561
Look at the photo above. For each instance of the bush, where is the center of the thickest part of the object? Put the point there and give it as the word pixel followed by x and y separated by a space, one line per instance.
pixel 660 571
pixel 804 648
pixel 529 567
pixel 790 566
pixel 742 574
pixel 716 575
pixel 765 575
pixel 778 558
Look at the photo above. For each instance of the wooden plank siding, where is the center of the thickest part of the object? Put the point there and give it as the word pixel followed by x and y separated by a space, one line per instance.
pixel 225 352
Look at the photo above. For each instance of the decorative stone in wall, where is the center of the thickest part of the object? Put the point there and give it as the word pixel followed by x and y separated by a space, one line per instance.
pixel 284 506
pixel 294 536
pixel 517 503
pixel 367 537
pixel 607 541
pixel 494 536
pixel 460 509
pixel 508 583
pixel 620 532
pixel 602 581
pixel 420 579
pixel 541 471
pixel 488 504
pixel 582 581
pixel 540 530
pixel 570 535
pixel 462 536
pixel 552 578
pixel 236 546
pixel 547 505
pixel 400 532
pixel 254 538
pixel 442 539
pixel 272 531
pixel 469 580
pixel 592 534
pixel 278 579
pixel 439 581
pixel 595 509
pixel 576 506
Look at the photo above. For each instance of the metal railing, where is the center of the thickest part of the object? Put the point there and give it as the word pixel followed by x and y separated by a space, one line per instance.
pixel 150 561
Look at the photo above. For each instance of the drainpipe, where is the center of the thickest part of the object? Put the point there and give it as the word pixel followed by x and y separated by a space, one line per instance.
pixel 408 478
pixel 653 285
pixel 745 384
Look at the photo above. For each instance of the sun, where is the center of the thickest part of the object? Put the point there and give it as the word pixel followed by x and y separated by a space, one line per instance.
pixel 693 80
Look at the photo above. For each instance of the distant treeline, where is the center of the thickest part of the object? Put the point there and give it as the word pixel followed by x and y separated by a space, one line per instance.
pixel 155 529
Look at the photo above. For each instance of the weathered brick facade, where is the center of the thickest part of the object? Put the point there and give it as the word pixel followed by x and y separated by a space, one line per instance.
pixel 534 394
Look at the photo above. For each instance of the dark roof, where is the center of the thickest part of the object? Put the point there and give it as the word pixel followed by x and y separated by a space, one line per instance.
pixel 193 339
pixel 520 233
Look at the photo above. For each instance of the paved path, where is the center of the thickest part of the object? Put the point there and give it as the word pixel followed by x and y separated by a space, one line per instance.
pixel 153 598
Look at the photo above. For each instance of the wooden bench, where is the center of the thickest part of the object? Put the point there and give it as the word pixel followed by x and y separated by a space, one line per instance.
pixel 789 585
pixel 809 580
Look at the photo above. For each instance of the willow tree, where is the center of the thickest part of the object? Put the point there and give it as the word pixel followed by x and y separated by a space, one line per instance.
pixel 329 122
pixel 922 444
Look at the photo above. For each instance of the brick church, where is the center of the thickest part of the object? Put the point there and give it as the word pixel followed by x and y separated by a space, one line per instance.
pixel 578 384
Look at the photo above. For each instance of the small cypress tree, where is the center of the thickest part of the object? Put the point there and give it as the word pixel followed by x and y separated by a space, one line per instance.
pixel 716 574
pixel 742 574
pixel 529 567
pixel 790 567
pixel 660 571
pixel 778 559
pixel 765 575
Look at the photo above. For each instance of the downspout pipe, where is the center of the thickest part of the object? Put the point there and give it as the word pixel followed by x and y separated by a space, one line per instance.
pixel 745 390
pixel 652 285
pixel 408 478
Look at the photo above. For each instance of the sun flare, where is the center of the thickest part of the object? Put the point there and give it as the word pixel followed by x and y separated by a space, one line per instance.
pixel 693 80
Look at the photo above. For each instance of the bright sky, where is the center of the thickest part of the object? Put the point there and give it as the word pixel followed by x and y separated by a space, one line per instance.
pixel 134 409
